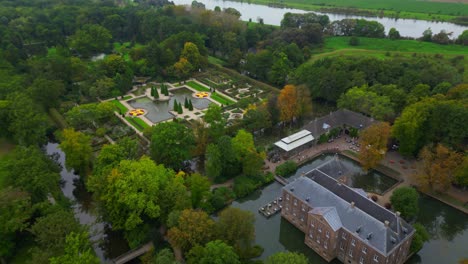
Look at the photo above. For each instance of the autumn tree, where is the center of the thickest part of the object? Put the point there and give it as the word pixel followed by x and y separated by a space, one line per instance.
pixel 439 167
pixel 373 142
pixel 236 228
pixel 192 55
pixel 182 68
pixel 293 102
pixel 77 147
pixel 193 228
pixel 287 103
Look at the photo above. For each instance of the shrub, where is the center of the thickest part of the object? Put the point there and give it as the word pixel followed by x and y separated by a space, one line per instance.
pixel 388 206
pixel 100 132
pixel 286 169
pixel 354 41
pixel 243 186
pixel 374 198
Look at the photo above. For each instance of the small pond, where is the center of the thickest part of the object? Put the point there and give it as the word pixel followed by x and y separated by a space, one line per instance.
pixel 159 111
pixel 372 181
pixel 448 227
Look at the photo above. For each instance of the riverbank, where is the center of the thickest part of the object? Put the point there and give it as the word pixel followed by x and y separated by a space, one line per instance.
pixel 398 9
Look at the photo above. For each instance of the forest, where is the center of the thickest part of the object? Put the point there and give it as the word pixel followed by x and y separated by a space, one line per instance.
pixel 52 82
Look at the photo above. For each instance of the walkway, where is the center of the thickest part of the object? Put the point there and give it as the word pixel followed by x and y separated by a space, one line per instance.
pixel 133 253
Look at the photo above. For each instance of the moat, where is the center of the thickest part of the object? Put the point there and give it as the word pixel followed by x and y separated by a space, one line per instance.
pixel 448 227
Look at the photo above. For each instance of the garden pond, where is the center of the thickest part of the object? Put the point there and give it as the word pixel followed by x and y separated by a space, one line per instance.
pixel 158 111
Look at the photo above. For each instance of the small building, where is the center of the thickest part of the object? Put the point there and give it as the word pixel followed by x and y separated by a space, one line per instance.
pixel 342 118
pixel 342 222
pixel 295 142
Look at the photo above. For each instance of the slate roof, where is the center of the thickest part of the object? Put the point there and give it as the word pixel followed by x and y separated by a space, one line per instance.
pixel 330 215
pixel 338 119
pixel 369 217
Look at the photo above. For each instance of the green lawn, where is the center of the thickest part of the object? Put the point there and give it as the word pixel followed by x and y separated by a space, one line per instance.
pixel 137 123
pixel 127 97
pixel 122 108
pixel 417 9
pixel 214 60
pixel 197 86
pixel 378 44
pixel 221 99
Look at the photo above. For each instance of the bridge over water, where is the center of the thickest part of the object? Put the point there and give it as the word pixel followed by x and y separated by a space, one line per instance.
pixel 132 254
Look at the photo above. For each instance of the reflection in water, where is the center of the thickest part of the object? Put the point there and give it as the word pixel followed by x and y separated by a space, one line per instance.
pixel 273 16
pixel 85 211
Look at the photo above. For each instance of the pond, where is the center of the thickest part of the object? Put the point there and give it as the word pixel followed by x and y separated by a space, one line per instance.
pixel 108 244
pixel 273 16
pixel 447 226
pixel 352 173
pixel 159 110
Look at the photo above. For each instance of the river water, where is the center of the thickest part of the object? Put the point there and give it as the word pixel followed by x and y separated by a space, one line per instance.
pixel 273 16
pixel 107 243
pixel 448 227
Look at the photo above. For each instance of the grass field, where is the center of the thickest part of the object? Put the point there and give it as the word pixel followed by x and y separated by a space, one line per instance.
pixel 122 108
pixel 215 96
pixel 214 60
pixel 137 123
pixel 124 48
pixel 425 10
pixel 197 86
pixel 339 43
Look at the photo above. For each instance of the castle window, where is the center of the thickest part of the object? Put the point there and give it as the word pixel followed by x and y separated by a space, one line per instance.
pixel 302 219
pixel 328 234
pixel 287 197
pixel 353 242
pixel 320 230
pixel 318 239
pixel 361 260
pixel 364 250
pixel 376 258
pixel 325 245
pixel 311 236
pixel 350 253
pixel 341 246
pixel 295 202
pixel 343 236
pixel 312 224
pixel 287 208
pixel 303 208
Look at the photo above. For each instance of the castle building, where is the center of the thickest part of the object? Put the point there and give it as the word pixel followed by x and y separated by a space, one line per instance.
pixel 342 222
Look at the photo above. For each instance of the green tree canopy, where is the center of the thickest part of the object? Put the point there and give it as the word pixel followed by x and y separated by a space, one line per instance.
pixel 171 144
pixel 90 39
pixel 286 258
pixel 405 200
pixel 142 181
pixel 77 148
pixel 214 252
pixel 419 238
pixel 77 250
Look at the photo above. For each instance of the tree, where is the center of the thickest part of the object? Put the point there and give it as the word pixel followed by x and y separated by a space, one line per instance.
pixel 216 121
pixel 142 182
pixel 257 119
pixel 26 123
pixel 245 152
pixel 373 142
pixel 213 162
pixel 461 173
pixel 15 210
pixel 287 103
pixel 463 38
pixel 442 38
pixel 286 258
pixel 199 189
pixel 393 34
pixel 90 39
pixel 27 168
pixel 87 115
pixel 419 238
pixel 236 228
pixel 102 87
pixel 427 35
pixel 439 167
pixel 230 164
pixel 406 201
pixel 214 252
pixel 47 92
pixel 171 144
pixel 193 228
pixel 165 256
pixel 50 231
pixel 77 250
pixel 192 55
pixel 77 148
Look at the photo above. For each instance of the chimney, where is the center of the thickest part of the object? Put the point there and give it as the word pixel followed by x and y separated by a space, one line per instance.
pixel 352 204
pixel 398 213
pixel 387 223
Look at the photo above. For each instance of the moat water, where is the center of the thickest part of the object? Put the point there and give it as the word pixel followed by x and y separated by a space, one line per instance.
pixel 448 227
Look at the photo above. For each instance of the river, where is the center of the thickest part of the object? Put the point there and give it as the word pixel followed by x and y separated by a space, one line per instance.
pixel 106 243
pixel 448 228
pixel 273 16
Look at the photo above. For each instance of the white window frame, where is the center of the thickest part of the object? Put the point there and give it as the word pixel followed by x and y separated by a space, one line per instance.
pixel 320 230
pixel 341 246
pixel 376 258
pixel 325 244
pixel 364 250
pixel 327 233
pixel 353 242
pixel 350 253
pixel 343 236
pixel 361 260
